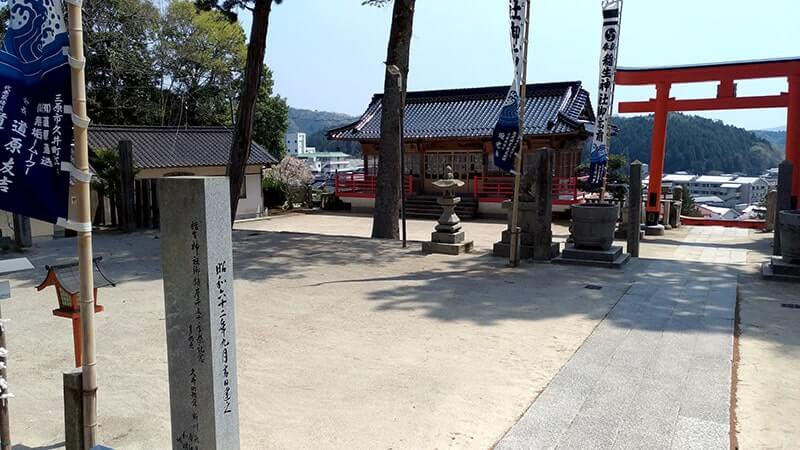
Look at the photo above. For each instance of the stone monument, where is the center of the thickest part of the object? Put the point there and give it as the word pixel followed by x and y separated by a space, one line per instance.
pixel 787 266
pixel 769 219
pixel 535 211
pixel 676 207
pixel 592 230
pixel 197 266
pixel 635 209
pixel 448 238
pixel 784 200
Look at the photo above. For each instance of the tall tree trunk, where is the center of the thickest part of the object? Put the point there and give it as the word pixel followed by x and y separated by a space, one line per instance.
pixel 389 183
pixel 243 131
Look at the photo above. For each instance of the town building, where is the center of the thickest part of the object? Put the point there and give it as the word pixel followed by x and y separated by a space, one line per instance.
pixel 454 128
pixel 326 162
pixel 320 163
pixel 182 151
pixel 296 144
pixel 726 190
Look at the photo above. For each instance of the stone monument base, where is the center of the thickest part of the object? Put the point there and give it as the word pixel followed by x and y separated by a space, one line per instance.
pixel 613 257
pixel 654 230
pixel 447 248
pixel 780 270
pixel 623 234
pixel 503 249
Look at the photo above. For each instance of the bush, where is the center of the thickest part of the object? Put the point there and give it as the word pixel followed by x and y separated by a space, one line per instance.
pixel 287 183
pixel 274 193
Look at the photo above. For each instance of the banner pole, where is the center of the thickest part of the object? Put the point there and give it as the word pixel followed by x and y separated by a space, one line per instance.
pixel 81 155
pixel 515 244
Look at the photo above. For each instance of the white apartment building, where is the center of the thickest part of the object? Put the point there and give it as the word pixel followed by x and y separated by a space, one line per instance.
pixel 318 162
pixel 731 189
pixel 296 144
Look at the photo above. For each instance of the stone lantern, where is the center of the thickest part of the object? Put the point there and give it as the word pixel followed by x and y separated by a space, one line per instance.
pixel 448 238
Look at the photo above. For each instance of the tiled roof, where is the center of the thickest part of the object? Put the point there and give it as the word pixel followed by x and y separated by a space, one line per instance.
pixel 551 108
pixel 163 147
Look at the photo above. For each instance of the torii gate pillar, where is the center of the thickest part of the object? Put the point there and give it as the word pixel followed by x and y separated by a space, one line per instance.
pixel 793 136
pixel 657 149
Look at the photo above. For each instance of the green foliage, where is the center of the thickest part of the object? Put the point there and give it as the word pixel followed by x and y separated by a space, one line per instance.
pixel 696 145
pixel 616 177
pixel 688 206
pixel 105 163
pixel 182 67
pixel 202 55
pixel 271 119
pixel 274 193
pixel 122 69
pixel 293 177
pixel 227 7
pixel 776 138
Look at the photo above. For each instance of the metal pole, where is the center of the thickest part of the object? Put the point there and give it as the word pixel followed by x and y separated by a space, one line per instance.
pixel 394 70
pixel 514 250
pixel 402 159
pixel 81 157
pixel 5 429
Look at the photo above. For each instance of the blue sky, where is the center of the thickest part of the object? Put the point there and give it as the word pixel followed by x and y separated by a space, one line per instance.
pixel 327 54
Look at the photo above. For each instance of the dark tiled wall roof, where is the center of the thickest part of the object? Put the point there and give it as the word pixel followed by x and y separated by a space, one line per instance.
pixel 551 108
pixel 163 147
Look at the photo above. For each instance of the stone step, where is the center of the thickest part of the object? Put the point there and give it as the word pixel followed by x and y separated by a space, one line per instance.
pixel 593 255
pixel 584 258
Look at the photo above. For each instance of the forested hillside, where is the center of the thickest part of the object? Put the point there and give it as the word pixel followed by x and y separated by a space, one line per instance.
pixel 316 123
pixel 776 137
pixel 696 145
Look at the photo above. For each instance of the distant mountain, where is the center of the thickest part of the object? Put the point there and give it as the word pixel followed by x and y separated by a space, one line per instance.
pixel 316 123
pixel 697 145
pixel 777 136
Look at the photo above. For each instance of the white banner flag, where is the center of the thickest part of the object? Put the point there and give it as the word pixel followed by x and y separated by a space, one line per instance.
pixel 505 139
pixel 609 49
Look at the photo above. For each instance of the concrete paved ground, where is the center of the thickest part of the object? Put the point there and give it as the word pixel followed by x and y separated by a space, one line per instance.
pixel 767 392
pixel 344 343
pixel 356 343
pixel 483 232
pixel 654 374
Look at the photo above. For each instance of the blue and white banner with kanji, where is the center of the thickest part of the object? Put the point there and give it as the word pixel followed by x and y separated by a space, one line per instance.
pixel 609 48
pixel 35 111
pixel 506 138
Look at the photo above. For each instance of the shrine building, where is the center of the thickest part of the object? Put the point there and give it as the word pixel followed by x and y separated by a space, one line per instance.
pixel 454 127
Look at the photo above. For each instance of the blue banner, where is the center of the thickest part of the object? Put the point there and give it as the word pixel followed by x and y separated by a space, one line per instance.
pixel 35 111
pixel 505 139
pixel 598 164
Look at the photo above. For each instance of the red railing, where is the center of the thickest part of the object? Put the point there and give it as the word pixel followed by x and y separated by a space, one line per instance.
pixel 500 189
pixel 361 185
pixel 493 189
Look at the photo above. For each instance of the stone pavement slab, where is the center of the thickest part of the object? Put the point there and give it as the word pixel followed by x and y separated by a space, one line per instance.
pixel 654 374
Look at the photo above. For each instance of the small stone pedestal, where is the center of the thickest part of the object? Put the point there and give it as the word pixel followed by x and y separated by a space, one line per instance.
pixel 654 230
pixel 448 237
pixel 780 269
pixel 613 257
pixel 787 266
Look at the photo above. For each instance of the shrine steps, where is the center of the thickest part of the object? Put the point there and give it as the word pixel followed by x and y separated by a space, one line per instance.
pixel 425 207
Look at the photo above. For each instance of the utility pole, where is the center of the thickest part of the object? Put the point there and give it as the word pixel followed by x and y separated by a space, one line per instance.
pixel 515 247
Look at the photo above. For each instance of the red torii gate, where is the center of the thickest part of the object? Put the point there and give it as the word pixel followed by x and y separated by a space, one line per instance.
pixel 726 74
